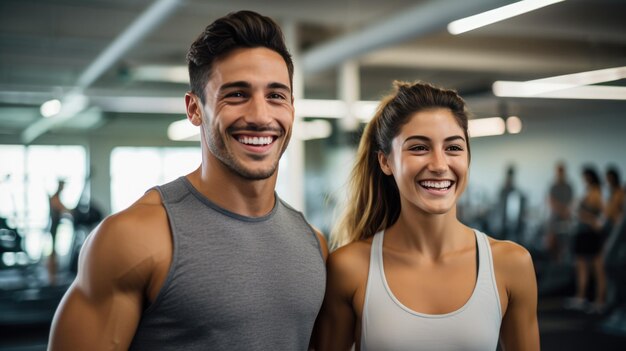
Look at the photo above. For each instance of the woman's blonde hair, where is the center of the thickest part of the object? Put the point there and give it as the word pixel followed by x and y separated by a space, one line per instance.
pixel 373 201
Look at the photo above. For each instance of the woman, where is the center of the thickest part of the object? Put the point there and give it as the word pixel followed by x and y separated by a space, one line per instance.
pixel 588 244
pixel 615 204
pixel 444 286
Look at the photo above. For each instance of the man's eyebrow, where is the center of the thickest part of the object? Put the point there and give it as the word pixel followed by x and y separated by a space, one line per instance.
pixel 427 139
pixel 237 84
pixel 276 85
pixel 246 85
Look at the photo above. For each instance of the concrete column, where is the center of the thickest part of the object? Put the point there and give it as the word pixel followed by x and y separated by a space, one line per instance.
pixel 349 92
pixel 293 174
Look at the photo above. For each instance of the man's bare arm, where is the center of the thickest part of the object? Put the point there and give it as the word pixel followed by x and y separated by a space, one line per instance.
pixel 102 308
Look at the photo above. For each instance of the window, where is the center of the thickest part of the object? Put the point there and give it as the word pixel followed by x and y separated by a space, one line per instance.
pixel 134 170
pixel 28 176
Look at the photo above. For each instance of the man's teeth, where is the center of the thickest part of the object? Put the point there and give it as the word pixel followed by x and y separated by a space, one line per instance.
pixel 255 140
pixel 437 185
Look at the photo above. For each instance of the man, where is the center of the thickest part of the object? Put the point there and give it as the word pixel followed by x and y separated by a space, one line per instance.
pixel 560 198
pixel 512 207
pixel 213 260
pixel 57 209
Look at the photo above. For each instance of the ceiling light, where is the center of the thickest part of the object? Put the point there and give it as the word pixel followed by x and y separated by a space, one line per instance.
pixel 492 16
pixel 50 108
pixel 513 125
pixel 486 127
pixel 320 108
pixel 586 78
pixel 315 129
pixel 183 130
pixel 161 73
pixel 365 110
pixel 568 86
pixel 549 91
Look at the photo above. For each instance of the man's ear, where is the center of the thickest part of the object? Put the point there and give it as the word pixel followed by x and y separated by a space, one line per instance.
pixel 193 106
pixel 383 161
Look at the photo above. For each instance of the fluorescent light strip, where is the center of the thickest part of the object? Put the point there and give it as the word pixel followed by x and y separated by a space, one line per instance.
pixel 513 125
pixel 364 110
pixel 183 130
pixel 531 90
pixel 50 108
pixel 496 15
pixel 585 78
pixel 320 108
pixel 568 86
pixel 486 127
pixel 315 129
pixel 161 73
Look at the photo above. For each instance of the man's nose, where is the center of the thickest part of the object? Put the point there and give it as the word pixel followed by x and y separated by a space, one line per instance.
pixel 258 112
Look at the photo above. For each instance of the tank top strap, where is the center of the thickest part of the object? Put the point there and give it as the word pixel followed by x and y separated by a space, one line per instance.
pixel 486 273
pixel 376 278
pixel 484 268
pixel 174 191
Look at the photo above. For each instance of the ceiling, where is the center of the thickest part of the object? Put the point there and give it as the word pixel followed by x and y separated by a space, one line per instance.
pixel 48 45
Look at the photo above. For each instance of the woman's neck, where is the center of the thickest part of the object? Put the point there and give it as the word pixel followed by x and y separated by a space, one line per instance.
pixel 429 234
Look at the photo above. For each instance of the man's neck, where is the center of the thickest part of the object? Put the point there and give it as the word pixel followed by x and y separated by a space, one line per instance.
pixel 250 198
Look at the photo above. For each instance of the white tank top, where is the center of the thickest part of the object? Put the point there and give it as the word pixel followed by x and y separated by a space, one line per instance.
pixel 387 324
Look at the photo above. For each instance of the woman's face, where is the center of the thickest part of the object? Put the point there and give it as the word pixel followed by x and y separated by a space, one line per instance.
pixel 429 161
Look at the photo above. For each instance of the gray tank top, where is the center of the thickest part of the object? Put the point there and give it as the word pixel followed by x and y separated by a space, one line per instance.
pixel 235 282
pixel 387 324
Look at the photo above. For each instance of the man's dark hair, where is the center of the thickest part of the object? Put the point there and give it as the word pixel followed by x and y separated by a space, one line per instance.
pixel 243 29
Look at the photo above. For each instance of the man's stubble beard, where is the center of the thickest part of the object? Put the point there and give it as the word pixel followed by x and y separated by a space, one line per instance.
pixel 217 146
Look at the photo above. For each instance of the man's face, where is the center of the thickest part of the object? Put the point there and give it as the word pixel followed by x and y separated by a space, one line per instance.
pixel 248 114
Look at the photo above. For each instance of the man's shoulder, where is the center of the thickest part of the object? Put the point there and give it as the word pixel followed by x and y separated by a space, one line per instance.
pixel 130 238
pixel 143 216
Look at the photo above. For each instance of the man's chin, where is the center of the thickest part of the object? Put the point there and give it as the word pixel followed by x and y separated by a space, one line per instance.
pixel 255 173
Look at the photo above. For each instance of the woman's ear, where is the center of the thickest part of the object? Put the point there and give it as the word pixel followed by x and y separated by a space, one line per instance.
pixel 383 161
pixel 194 108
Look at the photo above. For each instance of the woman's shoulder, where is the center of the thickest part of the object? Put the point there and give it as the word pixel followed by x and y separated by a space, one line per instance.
pixel 351 261
pixel 510 258
pixel 352 253
pixel 508 248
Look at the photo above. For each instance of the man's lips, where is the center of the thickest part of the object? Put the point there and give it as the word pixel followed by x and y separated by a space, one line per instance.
pixel 255 140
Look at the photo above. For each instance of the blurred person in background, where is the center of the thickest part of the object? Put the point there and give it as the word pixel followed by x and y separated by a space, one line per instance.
pixel 588 243
pixel 560 200
pixel 615 205
pixel 614 232
pixel 511 209
pixel 411 275
pixel 57 210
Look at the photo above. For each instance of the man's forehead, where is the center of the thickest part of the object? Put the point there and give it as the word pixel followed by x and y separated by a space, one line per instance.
pixel 253 65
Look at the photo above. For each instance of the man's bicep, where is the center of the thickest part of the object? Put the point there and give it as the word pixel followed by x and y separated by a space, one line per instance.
pixel 103 306
pixel 81 323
